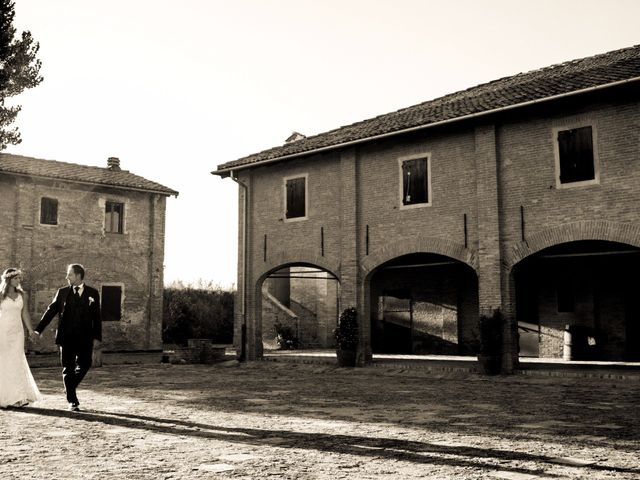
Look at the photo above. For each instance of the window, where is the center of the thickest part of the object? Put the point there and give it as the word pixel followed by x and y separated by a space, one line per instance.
pixel 575 154
pixel 113 219
pixel 48 211
pixel 565 298
pixel 111 307
pixel 415 181
pixel 296 197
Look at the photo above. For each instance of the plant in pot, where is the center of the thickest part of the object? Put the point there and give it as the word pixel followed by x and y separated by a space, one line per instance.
pixel 490 356
pixel 286 339
pixel 346 334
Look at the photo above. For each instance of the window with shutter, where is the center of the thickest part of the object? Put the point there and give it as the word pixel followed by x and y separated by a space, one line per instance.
pixel 295 197
pixel 48 211
pixel 114 217
pixel 415 181
pixel 576 155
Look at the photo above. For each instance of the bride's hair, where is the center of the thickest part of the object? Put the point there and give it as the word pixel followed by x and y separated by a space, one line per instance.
pixel 7 275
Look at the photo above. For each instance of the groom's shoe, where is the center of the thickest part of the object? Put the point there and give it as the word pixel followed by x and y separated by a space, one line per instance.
pixel 74 406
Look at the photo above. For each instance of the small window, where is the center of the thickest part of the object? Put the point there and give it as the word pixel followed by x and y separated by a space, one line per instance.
pixel 113 220
pixel 48 211
pixel 296 197
pixel 565 298
pixel 575 151
pixel 415 181
pixel 111 307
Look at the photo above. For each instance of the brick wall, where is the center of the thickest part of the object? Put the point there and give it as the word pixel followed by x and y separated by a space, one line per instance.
pixel 527 169
pixel 484 171
pixel 133 259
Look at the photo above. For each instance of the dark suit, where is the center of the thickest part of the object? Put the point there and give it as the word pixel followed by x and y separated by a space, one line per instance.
pixel 78 326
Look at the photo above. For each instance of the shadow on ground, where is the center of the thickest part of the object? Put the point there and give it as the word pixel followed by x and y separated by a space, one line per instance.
pixel 589 412
pixel 385 448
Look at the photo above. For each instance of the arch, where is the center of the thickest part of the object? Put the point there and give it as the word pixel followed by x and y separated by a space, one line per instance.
pixel 431 297
pixel 419 245
pixel 296 257
pixel 627 233
pixel 257 295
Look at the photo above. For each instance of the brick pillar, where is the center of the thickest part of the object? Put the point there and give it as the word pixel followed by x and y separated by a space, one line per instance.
pixel 492 289
pixel 253 294
pixel 489 291
pixel 364 307
pixel 239 303
pixel 510 358
pixel 350 281
pixel 157 210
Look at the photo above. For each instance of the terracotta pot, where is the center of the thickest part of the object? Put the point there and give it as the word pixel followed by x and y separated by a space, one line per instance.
pixel 346 358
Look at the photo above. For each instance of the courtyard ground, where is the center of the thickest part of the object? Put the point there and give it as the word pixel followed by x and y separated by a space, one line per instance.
pixel 300 421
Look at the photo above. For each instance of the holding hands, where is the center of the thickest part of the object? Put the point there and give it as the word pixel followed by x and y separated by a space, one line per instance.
pixel 33 335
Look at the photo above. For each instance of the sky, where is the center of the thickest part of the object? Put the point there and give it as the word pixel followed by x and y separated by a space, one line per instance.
pixel 174 89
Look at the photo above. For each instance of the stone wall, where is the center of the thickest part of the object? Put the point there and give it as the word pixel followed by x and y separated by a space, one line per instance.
pixel 132 260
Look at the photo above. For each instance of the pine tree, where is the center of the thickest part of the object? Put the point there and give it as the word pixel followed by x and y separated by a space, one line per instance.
pixel 19 70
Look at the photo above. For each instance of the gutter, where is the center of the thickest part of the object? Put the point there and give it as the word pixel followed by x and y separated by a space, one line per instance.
pixel 243 331
pixel 225 172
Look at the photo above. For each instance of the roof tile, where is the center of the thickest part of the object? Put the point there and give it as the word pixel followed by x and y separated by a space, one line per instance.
pixel 538 84
pixel 36 167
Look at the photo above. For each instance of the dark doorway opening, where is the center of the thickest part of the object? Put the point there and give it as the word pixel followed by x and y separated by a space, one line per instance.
pixel 580 301
pixel 424 303
pixel 299 308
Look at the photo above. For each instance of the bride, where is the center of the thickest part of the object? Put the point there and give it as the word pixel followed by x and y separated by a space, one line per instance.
pixel 17 386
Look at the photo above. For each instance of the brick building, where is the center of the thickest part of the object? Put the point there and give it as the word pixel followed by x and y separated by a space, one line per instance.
pixel 521 194
pixel 109 220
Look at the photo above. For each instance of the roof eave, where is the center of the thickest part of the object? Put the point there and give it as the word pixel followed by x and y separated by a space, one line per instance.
pixel 167 192
pixel 225 172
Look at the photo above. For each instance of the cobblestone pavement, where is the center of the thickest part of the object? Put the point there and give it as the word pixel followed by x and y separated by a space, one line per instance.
pixel 296 421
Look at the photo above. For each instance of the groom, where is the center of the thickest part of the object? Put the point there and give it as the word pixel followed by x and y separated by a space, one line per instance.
pixel 79 329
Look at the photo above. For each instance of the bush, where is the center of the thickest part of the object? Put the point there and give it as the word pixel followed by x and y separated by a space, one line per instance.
pixel 197 313
pixel 347 331
pixel 286 339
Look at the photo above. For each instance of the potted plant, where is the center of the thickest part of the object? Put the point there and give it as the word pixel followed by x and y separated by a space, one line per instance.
pixel 490 356
pixel 286 339
pixel 346 334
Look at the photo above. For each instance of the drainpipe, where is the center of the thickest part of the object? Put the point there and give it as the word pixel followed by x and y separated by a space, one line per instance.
pixel 243 304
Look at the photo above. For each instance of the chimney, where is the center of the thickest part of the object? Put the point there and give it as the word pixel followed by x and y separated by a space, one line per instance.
pixel 113 163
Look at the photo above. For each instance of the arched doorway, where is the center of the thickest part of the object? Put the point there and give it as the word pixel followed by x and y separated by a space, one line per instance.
pixel 299 305
pixel 588 288
pixel 424 303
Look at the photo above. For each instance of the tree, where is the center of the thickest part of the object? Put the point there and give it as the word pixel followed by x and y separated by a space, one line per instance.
pixel 19 70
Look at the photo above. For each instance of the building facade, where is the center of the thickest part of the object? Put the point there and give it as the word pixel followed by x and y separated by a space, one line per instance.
pixel 107 219
pixel 522 194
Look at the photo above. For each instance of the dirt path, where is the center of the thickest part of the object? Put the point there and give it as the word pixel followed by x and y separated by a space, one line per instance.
pixel 277 420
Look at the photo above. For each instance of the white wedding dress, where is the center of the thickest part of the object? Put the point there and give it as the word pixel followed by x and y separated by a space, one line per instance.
pixel 17 385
